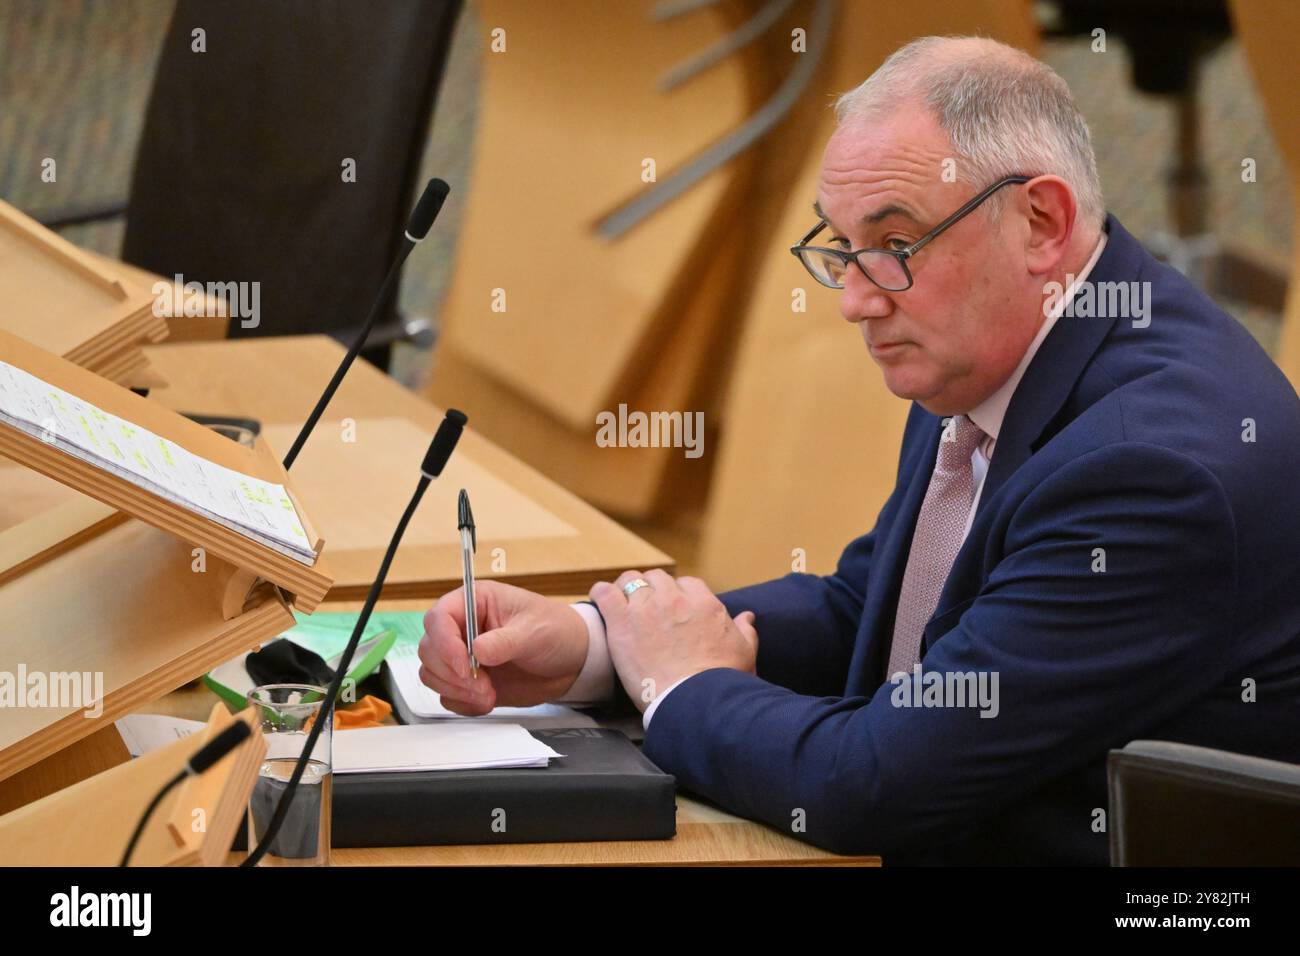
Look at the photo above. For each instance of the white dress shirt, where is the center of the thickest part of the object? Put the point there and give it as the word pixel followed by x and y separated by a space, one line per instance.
pixel 595 682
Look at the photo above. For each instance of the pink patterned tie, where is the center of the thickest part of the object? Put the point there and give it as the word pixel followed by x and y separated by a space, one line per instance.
pixel 938 537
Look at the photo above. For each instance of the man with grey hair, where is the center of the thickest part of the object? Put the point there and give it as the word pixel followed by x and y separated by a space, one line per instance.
pixel 1092 538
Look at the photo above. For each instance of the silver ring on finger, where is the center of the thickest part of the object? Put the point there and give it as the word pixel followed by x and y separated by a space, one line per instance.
pixel 633 586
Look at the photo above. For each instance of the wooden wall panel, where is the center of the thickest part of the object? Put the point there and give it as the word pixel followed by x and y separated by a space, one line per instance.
pixel 1267 30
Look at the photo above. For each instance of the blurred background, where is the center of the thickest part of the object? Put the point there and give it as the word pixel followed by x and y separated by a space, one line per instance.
pixel 627 176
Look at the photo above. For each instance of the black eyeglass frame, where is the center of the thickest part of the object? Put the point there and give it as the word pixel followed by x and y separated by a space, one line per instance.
pixel 902 255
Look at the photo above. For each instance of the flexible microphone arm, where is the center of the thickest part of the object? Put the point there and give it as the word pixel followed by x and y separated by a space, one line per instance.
pixel 426 211
pixel 435 459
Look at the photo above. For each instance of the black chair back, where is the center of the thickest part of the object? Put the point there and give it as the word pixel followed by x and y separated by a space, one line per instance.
pixel 1179 805
pixel 240 171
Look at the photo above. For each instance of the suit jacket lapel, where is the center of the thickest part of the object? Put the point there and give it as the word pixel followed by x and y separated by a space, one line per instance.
pixel 1045 388
pixel 1046 385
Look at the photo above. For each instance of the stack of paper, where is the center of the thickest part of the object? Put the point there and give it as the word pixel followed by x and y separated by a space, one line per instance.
pixel 471 745
pixel 258 509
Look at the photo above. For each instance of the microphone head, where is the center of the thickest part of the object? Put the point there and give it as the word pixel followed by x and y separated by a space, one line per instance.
pixel 427 209
pixel 219 746
pixel 443 443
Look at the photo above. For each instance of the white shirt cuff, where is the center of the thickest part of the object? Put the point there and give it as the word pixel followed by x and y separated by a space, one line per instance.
pixel 595 683
pixel 649 711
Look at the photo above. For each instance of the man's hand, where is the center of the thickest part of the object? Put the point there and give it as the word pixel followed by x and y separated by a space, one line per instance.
pixel 670 630
pixel 530 649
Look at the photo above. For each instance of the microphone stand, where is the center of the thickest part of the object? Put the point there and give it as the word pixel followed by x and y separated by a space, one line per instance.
pixel 439 451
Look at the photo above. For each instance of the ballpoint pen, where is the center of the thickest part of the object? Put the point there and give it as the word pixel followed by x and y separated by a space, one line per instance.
pixel 468 545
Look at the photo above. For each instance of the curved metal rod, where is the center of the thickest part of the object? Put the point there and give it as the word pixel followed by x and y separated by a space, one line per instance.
pixel 746 33
pixel 676 8
pixel 627 215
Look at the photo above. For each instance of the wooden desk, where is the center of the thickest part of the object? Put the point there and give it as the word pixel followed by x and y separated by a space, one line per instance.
pixel 357 473
pixel 235 378
pixel 706 835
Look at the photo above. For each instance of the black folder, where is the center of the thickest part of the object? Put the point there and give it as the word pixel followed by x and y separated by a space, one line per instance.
pixel 604 788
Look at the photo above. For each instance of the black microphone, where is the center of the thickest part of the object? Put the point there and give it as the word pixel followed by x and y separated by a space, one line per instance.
pixel 207 755
pixel 440 449
pixel 417 227
pixel 427 209
pixel 443 442
pixel 218 747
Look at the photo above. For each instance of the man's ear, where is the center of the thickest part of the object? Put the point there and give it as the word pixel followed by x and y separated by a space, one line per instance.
pixel 1051 209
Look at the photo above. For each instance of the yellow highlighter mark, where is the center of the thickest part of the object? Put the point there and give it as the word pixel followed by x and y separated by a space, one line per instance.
pixel 258 495
pixel 85 426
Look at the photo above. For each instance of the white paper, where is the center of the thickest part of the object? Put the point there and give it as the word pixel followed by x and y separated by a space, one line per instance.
pixel 446 745
pixel 143 733
pixel 258 509
pixel 404 662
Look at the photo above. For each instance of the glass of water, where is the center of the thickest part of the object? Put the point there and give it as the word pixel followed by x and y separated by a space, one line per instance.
pixel 286 713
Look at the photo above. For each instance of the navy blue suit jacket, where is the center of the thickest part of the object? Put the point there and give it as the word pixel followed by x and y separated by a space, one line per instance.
pixel 1119 437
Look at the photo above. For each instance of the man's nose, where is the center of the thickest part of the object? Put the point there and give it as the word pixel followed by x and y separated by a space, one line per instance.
pixel 862 298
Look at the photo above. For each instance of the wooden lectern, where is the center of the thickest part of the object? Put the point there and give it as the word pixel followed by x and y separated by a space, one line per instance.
pixel 72 303
pixel 140 592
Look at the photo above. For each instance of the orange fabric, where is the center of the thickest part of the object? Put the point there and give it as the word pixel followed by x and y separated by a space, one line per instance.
pixel 369 711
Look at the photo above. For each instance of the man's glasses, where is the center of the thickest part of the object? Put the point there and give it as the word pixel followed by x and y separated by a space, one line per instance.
pixel 887 268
